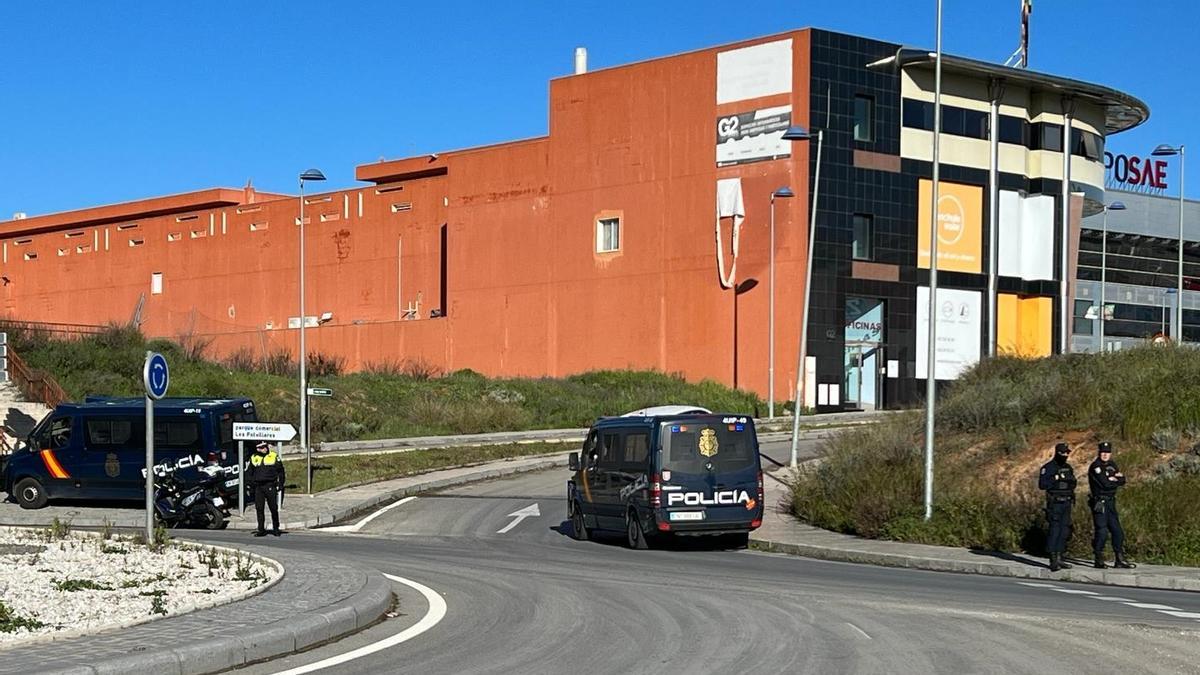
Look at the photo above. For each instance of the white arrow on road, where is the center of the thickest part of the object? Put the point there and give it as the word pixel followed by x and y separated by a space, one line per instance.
pixel 530 511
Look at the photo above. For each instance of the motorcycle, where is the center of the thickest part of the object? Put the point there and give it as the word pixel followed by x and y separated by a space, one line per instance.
pixel 197 505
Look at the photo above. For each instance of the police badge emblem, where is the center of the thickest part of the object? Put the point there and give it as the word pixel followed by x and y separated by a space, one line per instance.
pixel 708 442
pixel 112 465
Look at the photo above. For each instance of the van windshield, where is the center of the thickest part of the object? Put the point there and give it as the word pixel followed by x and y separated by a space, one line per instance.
pixel 688 446
pixel 225 427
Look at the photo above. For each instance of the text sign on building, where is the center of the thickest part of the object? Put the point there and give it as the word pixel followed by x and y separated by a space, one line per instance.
pixel 753 136
pixel 1135 173
pixel 960 226
pixel 260 431
pixel 959 331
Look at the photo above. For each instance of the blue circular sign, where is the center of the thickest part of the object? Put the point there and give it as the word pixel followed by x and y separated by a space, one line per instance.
pixel 156 376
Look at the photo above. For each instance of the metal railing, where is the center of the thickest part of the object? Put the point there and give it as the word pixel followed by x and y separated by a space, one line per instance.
pixel 67 330
pixel 34 384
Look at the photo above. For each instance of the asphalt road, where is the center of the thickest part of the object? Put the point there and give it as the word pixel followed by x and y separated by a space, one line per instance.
pixel 533 600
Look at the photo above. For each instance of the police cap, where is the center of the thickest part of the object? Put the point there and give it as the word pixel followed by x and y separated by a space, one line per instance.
pixel 1105 446
pixel 1062 449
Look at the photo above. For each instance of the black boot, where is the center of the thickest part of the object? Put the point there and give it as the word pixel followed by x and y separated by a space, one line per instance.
pixel 1055 564
pixel 1100 562
pixel 1062 562
pixel 1122 562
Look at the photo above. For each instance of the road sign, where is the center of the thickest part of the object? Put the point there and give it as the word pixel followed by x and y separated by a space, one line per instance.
pixel 156 376
pixel 320 391
pixel 260 431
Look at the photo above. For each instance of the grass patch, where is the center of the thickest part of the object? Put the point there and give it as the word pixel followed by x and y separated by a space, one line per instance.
pixel 10 622
pixel 370 468
pixel 70 585
pixel 387 400
pixel 996 426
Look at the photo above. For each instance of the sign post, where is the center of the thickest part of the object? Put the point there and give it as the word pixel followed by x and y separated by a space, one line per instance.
pixel 258 431
pixel 156 377
pixel 312 391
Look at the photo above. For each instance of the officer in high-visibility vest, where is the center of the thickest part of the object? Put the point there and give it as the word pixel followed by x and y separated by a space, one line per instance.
pixel 266 475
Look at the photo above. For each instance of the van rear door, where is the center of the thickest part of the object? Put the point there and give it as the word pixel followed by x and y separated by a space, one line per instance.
pixel 709 467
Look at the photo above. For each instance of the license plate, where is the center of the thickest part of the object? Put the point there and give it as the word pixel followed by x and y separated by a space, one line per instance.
pixel 687 515
pixel 217 501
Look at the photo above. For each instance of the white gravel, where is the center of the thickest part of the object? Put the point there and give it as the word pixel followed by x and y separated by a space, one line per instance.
pixel 84 583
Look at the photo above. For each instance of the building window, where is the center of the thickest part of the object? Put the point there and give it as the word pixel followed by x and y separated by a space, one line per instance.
pixel 156 279
pixel 1014 130
pixel 608 235
pixel 1046 136
pixel 864 231
pixel 917 114
pixel 864 118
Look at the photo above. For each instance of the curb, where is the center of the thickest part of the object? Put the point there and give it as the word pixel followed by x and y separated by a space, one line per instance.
pixel 996 569
pixel 279 638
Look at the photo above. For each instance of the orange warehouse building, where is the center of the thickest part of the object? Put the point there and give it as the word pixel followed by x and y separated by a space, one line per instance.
pixel 616 240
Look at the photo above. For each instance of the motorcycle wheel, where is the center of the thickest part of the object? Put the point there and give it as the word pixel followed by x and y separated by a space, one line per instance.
pixel 214 519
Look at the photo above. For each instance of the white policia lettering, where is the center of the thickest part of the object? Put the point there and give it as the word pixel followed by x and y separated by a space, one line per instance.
pixel 723 497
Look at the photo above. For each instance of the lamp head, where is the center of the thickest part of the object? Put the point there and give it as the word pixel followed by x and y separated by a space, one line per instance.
pixel 796 134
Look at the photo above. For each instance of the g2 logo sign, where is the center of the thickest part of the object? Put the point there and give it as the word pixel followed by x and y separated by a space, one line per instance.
pixel 727 127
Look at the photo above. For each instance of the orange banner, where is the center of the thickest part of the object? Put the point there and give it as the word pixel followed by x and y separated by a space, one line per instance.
pixel 960 226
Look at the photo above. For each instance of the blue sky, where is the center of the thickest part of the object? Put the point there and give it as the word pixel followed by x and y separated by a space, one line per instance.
pixel 107 102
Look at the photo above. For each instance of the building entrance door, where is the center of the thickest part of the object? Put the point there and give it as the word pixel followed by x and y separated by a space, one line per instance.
pixel 863 357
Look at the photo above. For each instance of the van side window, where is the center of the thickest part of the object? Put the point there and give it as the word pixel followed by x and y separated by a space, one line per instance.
pixel 109 432
pixel 610 451
pixel 637 448
pixel 177 434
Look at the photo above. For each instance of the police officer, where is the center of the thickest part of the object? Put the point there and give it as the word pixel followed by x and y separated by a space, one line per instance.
pixel 1104 478
pixel 266 475
pixel 1058 481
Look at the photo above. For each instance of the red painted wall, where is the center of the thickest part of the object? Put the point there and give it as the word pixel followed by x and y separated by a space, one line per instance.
pixel 527 293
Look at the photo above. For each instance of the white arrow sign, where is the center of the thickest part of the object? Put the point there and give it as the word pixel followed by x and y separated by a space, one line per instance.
pixel 260 431
pixel 530 511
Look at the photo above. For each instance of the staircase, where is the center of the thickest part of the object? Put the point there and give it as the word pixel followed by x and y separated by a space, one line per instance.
pixel 17 416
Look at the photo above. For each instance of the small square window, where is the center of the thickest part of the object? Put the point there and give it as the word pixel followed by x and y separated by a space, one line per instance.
pixel 864 118
pixel 608 235
pixel 861 248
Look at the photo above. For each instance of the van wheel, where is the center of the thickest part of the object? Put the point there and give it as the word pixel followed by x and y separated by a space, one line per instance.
pixel 30 494
pixel 634 537
pixel 579 529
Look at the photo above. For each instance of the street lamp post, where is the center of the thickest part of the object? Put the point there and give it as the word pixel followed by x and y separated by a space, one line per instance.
pixel 931 359
pixel 1165 150
pixel 784 192
pixel 801 134
pixel 310 175
pixel 1115 206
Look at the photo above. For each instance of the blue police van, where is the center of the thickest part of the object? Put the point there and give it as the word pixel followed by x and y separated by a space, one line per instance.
pixel 667 471
pixel 96 450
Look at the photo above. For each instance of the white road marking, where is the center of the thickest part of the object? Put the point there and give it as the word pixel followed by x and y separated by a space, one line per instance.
pixel 1151 605
pixel 1111 598
pixel 1076 591
pixel 530 511
pixel 1182 615
pixel 362 523
pixel 860 631
pixel 1036 585
pixel 437 610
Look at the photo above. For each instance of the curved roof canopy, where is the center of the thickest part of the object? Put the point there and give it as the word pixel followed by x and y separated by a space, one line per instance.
pixel 1122 111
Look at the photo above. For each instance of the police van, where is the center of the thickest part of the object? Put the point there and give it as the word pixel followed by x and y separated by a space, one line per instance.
pixel 653 475
pixel 97 449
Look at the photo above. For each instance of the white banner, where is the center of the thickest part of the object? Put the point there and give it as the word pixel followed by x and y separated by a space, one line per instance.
pixel 754 72
pixel 959 331
pixel 1026 248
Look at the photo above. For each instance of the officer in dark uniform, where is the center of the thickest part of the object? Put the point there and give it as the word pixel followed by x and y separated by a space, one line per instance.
pixel 1058 481
pixel 1104 478
pixel 266 475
